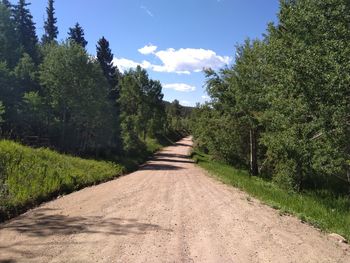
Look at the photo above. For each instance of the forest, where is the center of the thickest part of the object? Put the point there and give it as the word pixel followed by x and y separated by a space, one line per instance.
pixel 282 110
pixel 56 95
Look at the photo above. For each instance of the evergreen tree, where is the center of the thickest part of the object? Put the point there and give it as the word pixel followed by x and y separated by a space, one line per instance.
pixel 76 34
pixel 9 46
pixel 25 28
pixel 105 58
pixel 6 3
pixel 51 30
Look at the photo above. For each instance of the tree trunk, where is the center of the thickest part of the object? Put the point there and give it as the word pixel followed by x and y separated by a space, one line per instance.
pixel 300 177
pixel 253 153
pixel 348 176
pixel 63 134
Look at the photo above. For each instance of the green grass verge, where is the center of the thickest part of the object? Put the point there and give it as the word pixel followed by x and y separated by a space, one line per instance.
pixel 321 209
pixel 30 176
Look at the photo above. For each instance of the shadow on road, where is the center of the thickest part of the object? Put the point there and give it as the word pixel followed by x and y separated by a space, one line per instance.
pixel 172 160
pixel 42 224
pixel 171 155
pixel 47 223
pixel 158 166
pixel 183 144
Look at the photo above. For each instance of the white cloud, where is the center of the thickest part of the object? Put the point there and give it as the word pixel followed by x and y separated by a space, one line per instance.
pixel 205 97
pixel 179 87
pixel 187 60
pixel 126 64
pixel 148 49
pixel 185 103
pixel 180 61
pixel 147 10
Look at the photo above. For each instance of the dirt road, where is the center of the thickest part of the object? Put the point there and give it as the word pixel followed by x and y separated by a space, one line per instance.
pixel 168 211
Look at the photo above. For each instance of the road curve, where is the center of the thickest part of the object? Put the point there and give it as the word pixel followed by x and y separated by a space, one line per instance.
pixel 168 211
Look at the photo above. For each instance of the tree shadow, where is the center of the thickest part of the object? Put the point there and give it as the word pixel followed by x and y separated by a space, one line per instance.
pixel 172 160
pixel 171 155
pixel 158 166
pixel 183 144
pixel 45 223
pixel 41 223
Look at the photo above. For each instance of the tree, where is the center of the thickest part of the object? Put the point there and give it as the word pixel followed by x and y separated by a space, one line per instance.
pixel 51 30
pixel 25 29
pixel 309 114
pixel 220 134
pixel 156 115
pixel 2 111
pixel 9 46
pixel 130 101
pixel 11 97
pixel 105 58
pixel 26 74
pixel 247 89
pixel 7 4
pixel 76 90
pixel 76 34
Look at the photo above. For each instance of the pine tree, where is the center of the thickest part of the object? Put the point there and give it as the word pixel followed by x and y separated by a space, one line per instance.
pixel 25 28
pixel 105 58
pixel 6 3
pixel 9 46
pixel 76 34
pixel 51 30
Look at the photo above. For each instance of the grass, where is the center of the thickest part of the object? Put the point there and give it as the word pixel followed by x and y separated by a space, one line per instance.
pixel 30 176
pixel 321 209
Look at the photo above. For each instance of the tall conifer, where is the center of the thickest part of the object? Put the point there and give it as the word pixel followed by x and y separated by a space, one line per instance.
pixel 105 58
pixel 76 34
pixel 25 28
pixel 51 30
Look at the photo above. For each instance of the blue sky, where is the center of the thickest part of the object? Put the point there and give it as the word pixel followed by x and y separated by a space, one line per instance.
pixel 173 40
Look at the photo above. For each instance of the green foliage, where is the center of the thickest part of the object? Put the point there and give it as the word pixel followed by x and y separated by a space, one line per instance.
pixel 142 109
pixel 320 208
pixel 76 91
pixel 286 99
pixel 25 28
pixel 10 95
pixel 308 114
pixel 26 74
pixel 220 135
pixel 9 46
pixel 28 176
pixel 35 113
pixel 130 105
pixel 177 118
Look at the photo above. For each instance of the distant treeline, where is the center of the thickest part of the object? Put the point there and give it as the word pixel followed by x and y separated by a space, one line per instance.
pixel 57 95
pixel 283 108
